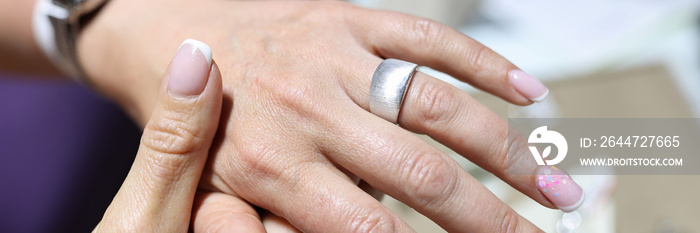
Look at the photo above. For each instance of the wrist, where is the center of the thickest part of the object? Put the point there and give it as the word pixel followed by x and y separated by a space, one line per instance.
pixel 116 60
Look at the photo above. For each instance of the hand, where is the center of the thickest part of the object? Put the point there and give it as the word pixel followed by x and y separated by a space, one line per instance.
pixel 158 193
pixel 297 135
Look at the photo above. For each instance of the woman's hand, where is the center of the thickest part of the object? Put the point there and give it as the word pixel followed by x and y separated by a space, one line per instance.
pixel 158 193
pixel 296 135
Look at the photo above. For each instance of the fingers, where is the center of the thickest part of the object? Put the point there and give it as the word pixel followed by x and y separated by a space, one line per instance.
pixel 312 194
pixel 405 167
pixel 429 43
pixel 158 192
pixel 453 118
pixel 218 212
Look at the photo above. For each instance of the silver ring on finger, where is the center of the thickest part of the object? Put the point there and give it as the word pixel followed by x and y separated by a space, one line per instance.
pixel 390 83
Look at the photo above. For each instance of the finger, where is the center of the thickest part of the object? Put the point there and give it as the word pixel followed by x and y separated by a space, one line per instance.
pixel 219 212
pixel 311 194
pixel 159 189
pixel 429 43
pixel 407 168
pixel 276 224
pixel 453 118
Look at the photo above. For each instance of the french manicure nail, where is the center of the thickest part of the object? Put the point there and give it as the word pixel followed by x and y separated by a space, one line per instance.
pixel 528 86
pixel 189 70
pixel 559 188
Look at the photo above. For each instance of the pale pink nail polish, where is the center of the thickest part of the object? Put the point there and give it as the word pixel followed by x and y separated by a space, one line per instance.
pixel 559 188
pixel 189 70
pixel 528 86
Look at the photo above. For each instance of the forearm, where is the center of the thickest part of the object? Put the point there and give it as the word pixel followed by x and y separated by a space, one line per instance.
pixel 19 53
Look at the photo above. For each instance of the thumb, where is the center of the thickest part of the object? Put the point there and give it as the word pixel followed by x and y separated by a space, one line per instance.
pixel 158 192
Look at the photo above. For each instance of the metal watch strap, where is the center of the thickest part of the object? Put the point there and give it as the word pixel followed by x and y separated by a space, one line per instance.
pixel 67 24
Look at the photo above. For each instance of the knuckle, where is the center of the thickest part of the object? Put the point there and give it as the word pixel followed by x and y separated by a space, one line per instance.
pixel 171 135
pixel 258 161
pixel 431 180
pixel 436 104
pixel 509 154
pixel 266 164
pixel 426 31
pixel 509 221
pixel 292 93
pixel 171 141
pixel 479 58
pixel 376 219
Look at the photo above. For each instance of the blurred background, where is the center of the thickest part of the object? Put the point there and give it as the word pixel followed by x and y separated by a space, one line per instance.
pixel 600 59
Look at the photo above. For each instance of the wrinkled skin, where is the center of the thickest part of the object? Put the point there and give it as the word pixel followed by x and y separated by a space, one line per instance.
pixel 296 137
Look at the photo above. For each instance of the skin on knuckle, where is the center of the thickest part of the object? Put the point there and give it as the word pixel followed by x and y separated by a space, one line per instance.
pixel 509 156
pixel 374 219
pixel 289 93
pixel 294 95
pixel 479 58
pixel 171 142
pixel 426 32
pixel 436 105
pixel 265 164
pixel 258 161
pixel 430 180
pixel 509 220
pixel 172 135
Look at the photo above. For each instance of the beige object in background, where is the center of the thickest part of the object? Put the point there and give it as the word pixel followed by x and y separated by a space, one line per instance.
pixel 450 12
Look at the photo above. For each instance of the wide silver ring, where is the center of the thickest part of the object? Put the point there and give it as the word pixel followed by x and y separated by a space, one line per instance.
pixel 389 85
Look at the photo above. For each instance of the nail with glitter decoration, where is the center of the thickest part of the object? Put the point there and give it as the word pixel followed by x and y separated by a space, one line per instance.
pixel 559 188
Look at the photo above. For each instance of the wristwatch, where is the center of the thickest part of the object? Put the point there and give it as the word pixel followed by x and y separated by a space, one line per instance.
pixel 57 24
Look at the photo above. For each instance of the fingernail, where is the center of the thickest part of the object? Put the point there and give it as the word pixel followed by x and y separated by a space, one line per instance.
pixel 528 86
pixel 559 188
pixel 189 70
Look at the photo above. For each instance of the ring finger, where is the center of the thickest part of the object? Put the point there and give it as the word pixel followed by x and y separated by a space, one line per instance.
pixel 448 114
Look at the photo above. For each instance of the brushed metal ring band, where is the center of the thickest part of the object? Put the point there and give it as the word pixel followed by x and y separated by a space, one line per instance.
pixel 389 85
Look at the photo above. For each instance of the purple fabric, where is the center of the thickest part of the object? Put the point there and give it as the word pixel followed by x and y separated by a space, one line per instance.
pixel 63 154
